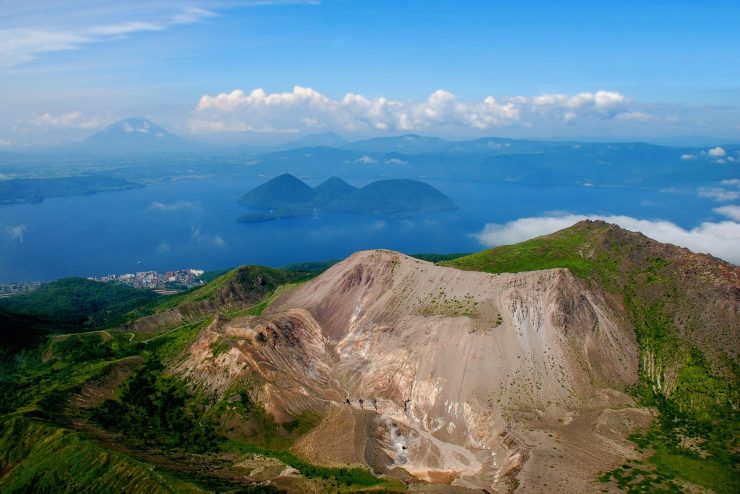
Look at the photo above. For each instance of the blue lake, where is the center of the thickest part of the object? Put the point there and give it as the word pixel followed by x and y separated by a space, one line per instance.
pixel 192 224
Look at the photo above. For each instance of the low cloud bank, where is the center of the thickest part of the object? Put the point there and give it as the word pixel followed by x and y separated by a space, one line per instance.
pixel 720 239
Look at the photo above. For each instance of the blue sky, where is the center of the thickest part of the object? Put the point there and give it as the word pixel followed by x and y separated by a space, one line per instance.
pixel 459 69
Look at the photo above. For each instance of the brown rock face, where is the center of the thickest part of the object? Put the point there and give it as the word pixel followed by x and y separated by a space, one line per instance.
pixel 440 374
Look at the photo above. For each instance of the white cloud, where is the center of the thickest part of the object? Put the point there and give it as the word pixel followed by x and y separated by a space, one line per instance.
pixel 143 128
pixel 23 44
pixel 732 212
pixel 304 108
pixel 163 248
pixel 70 120
pixel 719 239
pixel 206 238
pixel 634 115
pixel 731 181
pixel 717 152
pixel 688 157
pixel 174 206
pixel 4 143
pixel 14 233
pixel 600 99
pixel 719 194
pixel 366 160
pixel 395 161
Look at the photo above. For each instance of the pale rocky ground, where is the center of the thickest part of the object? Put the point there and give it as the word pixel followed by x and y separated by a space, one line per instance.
pixel 468 379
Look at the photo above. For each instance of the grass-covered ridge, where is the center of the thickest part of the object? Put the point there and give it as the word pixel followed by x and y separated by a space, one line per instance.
pixel 565 249
pixel 681 307
pixel 243 285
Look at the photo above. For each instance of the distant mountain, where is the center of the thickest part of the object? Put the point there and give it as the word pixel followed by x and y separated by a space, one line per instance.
pixel 138 136
pixel 409 143
pixel 392 196
pixel 288 197
pixel 34 190
pixel 328 191
pixel 323 139
pixel 282 191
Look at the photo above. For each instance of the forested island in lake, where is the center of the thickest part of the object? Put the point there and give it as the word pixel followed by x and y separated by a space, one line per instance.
pixel 286 196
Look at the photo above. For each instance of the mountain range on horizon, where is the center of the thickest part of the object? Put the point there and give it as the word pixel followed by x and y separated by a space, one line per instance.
pixel 139 135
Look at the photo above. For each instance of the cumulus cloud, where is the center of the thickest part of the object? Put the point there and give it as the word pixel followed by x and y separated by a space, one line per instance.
pixel 719 239
pixel 717 152
pixel 688 157
pixel 70 120
pixel 732 212
pixel 174 206
pixel 395 161
pixel 304 108
pixel 731 181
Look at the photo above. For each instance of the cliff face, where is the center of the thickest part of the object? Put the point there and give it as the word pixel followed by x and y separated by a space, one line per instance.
pixel 440 372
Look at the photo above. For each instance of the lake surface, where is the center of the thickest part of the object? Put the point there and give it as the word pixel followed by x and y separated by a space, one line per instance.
pixel 192 224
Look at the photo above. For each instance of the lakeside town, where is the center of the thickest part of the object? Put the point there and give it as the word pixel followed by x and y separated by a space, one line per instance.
pixel 10 289
pixel 167 282
pixel 164 283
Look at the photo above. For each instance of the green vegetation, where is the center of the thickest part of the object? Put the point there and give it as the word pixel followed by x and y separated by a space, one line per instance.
pixel 342 476
pixel 283 191
pixel 288 197
pixel 317 267
pixel 19 332
pixel 153 414
pixel 78 303
pixel 696 437
pixel 38 457
pixel 156 409
pixel 563 249
pixel 314 267
pixel 35 378
pixel 437 258
pixel 242 286
pixel 209 276
pixel 441 305
pixel 32 190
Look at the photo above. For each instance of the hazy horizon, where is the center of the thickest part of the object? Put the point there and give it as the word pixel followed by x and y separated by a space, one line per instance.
pixel 265 71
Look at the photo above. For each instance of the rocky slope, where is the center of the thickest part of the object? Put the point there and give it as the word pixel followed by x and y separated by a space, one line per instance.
pixel 438 375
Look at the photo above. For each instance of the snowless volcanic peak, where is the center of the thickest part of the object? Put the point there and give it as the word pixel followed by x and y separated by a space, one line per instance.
pixel 439 375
